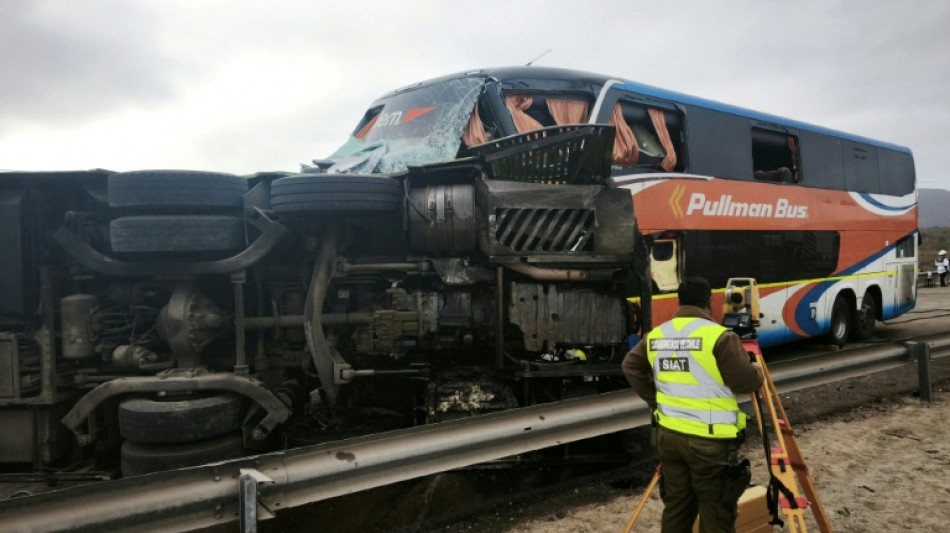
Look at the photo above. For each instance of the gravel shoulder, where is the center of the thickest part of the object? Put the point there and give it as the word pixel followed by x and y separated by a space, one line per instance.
pixel 877 454
pixel 878 467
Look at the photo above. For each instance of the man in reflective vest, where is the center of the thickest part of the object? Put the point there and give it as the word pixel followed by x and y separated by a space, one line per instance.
pixel 688 370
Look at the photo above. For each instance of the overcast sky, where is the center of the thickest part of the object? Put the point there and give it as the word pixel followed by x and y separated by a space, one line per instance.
pixel 245 86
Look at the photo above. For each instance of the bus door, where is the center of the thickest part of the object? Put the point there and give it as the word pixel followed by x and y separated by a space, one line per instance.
pixel 665 264
pixel 904 275
pixel 904 278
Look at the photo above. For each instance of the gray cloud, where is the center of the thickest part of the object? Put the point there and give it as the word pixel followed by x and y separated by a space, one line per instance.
pixel 63 63
pixel 874 68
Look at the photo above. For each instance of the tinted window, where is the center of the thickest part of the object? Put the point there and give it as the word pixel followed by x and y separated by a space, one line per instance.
pixel 767 256
pixel 860 167
pixel 821 161
pixel 775 156
pixel 718 144
pixel 895 172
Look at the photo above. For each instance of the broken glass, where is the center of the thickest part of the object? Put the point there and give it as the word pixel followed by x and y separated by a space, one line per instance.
pixel 415 127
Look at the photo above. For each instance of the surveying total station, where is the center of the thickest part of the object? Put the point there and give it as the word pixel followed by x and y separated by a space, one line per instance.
pixel 790 487
pixel 740 312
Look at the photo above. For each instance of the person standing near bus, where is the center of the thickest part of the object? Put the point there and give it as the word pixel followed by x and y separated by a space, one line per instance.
pixel 688 370
pixel 943 267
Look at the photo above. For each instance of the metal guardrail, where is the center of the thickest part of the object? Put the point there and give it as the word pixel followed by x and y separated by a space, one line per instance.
pixel 220 493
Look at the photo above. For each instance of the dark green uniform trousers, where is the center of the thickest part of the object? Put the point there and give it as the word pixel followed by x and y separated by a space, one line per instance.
pixel 691 468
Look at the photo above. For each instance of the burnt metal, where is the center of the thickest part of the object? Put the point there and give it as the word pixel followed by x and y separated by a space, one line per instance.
pixel 550 316
pixel 29 386
pixel 74 326
pixel 567 224
pixel 204 496
pixel 574 154
pixel 442 219
pixel 332 319
pixel 545 230
pixel 499 322
pixel 240 363
pixel 272 234
pixel 457 271
pixel 328 362
pixel 188 322
pixel 178 381
pixel 565 274
pixel 343 267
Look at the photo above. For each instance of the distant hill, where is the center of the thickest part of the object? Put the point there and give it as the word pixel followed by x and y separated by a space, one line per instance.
pixel 934 208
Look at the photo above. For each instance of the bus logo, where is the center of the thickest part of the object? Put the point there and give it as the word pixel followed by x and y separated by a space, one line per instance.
pixel 725 206
pixel 675 201
pixel 395 118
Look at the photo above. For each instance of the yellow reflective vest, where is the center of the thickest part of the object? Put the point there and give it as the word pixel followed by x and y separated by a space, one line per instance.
pixel 691 397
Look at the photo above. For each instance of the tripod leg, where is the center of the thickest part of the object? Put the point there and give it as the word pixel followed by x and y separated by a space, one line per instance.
pixel 643 501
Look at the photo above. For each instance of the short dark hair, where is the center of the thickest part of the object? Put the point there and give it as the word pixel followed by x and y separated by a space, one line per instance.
pixel 695 291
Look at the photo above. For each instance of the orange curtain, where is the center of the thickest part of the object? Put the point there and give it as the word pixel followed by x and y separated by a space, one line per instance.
pixel 567 111
pixel 626 151
pixel 365 129
pixel 475 133
pixel 659 124
pixel 516 104
pixel 793 148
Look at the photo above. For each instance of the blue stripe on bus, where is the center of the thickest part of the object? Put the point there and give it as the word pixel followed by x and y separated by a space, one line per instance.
pixel 803 312
pixel 867 198
pixel 674 96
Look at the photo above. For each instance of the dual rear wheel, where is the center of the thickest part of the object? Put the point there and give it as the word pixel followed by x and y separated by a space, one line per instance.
pixel 851 324
pixel 176 211
pixel 164 434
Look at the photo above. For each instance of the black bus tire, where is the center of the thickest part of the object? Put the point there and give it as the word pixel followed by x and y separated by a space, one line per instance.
pixel 148 421
pixel 177 233
pixel 175 190
pixel 865 318
pixel 840 322
pixel 138 458
pixel 335 193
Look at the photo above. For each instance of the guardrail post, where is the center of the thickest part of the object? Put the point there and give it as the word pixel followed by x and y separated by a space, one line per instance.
pixel 248 481
pixel 248 503
pixel 921 351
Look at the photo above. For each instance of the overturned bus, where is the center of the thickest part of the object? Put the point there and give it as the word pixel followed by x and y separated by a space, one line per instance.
pixel 456 256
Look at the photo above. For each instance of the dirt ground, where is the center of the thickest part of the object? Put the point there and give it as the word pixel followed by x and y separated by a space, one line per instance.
pixel 879 457
pixel 877 468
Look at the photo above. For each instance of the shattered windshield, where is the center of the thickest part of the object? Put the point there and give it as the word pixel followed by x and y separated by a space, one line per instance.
pixel 413 127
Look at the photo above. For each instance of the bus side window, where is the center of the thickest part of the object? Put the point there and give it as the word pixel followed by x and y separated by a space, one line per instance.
pixel 531 112
pixel 645 137
pixel 664 264
pixel 775 156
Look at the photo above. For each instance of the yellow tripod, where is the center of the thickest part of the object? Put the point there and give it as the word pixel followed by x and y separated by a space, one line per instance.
pixel 786 462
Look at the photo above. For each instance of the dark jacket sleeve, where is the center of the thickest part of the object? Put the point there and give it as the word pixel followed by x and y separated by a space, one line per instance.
pixel 639 374
pixel 735 366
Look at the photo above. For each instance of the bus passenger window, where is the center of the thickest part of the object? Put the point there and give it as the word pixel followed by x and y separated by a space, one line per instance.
pixel 647 137
pixel 531 112
pixel 775 156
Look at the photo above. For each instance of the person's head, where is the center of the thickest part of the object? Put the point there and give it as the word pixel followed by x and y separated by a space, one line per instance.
pixel 695 291
pixel 942 254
